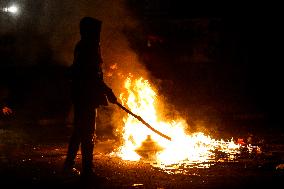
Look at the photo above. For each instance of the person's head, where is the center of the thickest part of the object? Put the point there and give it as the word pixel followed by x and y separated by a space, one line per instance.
pixel 90 28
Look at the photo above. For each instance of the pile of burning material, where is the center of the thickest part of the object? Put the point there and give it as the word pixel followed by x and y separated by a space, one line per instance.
pixel 180 148
pixel 149 149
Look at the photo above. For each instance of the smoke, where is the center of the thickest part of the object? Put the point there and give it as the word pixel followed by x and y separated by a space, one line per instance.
pixel 47 31
pixel 62 28
pixel 53 27
pixel 60 23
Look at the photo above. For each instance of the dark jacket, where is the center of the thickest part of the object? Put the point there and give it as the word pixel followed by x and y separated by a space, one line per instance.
pixel 88 86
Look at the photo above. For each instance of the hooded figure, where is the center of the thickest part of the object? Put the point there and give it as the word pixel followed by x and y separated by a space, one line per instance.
pixel 87 75
pixel 88 93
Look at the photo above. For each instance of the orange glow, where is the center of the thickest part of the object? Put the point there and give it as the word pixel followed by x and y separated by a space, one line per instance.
pixel 113 67
pixel 142 99
pixel 6 110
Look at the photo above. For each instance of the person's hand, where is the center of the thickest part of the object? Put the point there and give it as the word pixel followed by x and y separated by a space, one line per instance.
pixel 111 97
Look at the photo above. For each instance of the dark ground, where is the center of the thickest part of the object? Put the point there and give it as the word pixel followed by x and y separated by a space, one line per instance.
pixel 33 142
pixel 32 156
pixel 223 70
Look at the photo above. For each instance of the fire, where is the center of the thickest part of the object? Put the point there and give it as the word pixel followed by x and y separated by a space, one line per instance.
pixel 184 147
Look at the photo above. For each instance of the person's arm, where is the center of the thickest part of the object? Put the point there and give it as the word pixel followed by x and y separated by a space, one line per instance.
pixel 110 95
pixel 108 92
pixel 105 88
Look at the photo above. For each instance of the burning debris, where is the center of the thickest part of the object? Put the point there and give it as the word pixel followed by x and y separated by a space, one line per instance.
pixel 183 150
pixel 149 149
pixel 280 167
pixel 7 111
pixel 144 122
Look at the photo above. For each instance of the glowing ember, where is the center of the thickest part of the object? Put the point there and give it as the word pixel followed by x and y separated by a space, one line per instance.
pixel 184 148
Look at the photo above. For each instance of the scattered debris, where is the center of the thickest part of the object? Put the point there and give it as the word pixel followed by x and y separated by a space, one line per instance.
pixel 240 141
pixel 149 149
pixel 135 185
pixel 280 167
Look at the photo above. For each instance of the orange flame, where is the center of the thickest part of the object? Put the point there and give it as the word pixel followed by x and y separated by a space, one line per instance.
pixel 141 98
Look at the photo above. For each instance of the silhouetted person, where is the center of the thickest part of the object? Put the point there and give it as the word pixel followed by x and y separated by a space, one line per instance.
pixel 88 92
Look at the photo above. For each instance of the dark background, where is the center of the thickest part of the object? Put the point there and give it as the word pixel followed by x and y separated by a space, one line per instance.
pixel 222 60
pixel 213 61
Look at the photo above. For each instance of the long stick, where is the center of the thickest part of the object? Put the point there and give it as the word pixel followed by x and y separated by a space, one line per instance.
pixel 143 121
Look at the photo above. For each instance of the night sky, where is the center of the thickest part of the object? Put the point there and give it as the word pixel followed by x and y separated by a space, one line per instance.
pixel 222 57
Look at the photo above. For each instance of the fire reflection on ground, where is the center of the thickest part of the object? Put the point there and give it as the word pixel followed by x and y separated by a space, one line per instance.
pixel 34 157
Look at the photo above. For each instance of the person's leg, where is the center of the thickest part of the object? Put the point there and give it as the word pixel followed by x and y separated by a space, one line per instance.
pixel 73 148
pixel 87 146
pixel 75 139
